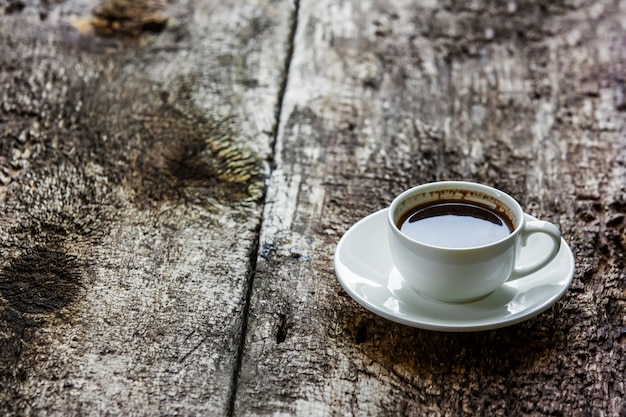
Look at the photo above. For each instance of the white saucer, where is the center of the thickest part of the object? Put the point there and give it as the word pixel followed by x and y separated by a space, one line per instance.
pixel 365 269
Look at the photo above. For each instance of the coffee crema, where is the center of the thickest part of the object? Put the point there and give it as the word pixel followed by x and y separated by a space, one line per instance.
pixel 455 224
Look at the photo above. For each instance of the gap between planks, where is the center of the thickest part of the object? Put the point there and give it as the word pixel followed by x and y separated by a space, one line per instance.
pixel 255 252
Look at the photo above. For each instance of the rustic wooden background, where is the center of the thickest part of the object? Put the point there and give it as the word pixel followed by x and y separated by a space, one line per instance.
pixel 175 176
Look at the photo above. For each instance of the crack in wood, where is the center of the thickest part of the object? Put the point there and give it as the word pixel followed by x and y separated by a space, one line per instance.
pixel 283 328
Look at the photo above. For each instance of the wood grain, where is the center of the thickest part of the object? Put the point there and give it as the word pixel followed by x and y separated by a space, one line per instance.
pixel 147 268
pixel 382 96
pixel 133 157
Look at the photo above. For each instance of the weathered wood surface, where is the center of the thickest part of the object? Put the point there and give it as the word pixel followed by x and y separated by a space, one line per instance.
pixel 134 137
pixel 134 226
pixel 381 96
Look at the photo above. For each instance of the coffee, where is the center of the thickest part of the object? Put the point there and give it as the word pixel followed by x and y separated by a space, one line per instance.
pixel 455 224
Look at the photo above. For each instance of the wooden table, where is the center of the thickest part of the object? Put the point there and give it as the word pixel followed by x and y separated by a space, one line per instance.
pixel 175 177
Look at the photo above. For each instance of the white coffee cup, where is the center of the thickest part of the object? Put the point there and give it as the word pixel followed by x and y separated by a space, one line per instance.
pixel 464 274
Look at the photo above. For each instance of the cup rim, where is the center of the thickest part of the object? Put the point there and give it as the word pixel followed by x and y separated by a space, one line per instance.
pixel 494 193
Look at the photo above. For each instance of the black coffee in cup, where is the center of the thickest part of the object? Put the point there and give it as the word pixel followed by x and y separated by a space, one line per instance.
pixel 455 224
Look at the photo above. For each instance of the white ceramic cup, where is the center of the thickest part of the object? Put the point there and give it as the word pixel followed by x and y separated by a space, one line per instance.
pixel 461 275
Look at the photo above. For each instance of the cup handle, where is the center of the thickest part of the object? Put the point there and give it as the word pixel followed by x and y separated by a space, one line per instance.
pixel 532 227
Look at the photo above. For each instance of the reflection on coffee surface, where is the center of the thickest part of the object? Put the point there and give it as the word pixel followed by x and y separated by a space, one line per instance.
pixel 454 224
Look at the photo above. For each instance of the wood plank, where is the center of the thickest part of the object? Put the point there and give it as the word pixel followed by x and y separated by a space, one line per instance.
pixel 133 145
pixel 383 96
